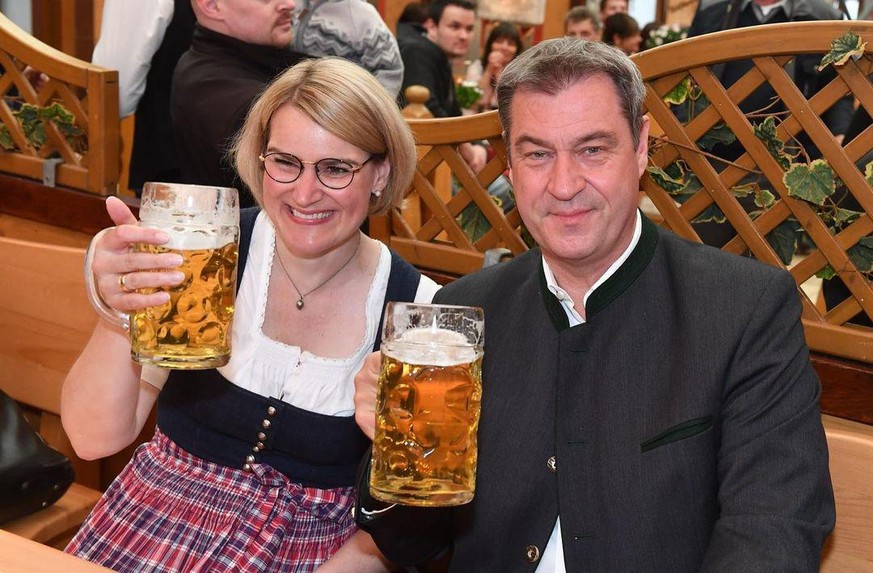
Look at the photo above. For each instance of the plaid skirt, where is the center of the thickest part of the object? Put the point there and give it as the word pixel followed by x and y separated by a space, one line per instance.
pixel 171 511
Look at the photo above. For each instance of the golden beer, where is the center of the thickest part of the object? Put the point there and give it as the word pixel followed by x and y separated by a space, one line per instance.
pixel 192 330
pixel 427 416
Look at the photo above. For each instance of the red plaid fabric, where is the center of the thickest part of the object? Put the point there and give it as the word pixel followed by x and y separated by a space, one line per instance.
pixel 171 511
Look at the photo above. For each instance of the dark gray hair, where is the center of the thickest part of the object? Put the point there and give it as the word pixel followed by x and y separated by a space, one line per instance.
pixel 555 65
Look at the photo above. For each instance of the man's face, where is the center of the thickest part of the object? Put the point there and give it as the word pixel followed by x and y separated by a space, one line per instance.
pixel 613 7
pixel 583 29
pixel 263 22
pixel 454 32
pixel 576 173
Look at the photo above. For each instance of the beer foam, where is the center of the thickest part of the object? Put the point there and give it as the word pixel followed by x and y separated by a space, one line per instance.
pixel 187 239
pixel 431 347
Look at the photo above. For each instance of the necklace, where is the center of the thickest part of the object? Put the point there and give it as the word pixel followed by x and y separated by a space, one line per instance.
pixel 303 295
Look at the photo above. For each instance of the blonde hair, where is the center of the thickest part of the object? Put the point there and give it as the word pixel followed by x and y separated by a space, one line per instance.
pixel 347 101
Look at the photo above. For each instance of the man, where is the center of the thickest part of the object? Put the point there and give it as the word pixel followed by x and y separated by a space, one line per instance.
pixel 144 41
pixel 427 61
pixel 580 22
pixel 350 29
pixel 648 403
pixel 237 48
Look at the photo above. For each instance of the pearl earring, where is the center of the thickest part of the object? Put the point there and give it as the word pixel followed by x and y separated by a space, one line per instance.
pixel 377 193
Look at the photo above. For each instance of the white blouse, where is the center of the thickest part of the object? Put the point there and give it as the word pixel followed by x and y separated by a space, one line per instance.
pixel 270 368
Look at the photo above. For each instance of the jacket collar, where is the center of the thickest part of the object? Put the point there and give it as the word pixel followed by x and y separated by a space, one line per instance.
pixel 613 287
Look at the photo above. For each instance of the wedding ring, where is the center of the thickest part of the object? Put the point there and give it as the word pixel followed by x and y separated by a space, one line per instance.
pixel 122 284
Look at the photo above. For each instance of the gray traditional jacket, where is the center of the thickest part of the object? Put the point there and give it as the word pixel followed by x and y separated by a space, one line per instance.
pixel 677 430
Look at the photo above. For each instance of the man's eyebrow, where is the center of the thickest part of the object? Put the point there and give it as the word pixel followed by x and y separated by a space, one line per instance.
pixel 608 137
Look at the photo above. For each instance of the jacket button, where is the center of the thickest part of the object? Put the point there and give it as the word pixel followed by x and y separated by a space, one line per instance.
pixel 262 436
pixel 250 459
pixel 551 464
pixel 271 411
pixel 532 553
pixel 265 424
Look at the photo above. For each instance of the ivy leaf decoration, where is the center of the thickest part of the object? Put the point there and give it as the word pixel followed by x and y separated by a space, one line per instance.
pixel 868 173
pixel 862 254
pixel 720 133
pixel 764 199
pixel 813 182
pixel 783 239
pixel 847 46
pixel 679 93
pixel 766 132
pixel 827 273
pixel 845 216
pixel 673 183
pixel 6 139
pixel 712 214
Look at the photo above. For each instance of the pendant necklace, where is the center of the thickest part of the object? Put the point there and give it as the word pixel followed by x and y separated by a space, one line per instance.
pixel 303 295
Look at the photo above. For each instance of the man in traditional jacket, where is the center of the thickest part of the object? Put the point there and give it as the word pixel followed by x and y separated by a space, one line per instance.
pixel 648 403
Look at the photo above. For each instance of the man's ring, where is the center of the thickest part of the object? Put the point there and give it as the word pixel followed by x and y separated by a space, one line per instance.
pixel 122 284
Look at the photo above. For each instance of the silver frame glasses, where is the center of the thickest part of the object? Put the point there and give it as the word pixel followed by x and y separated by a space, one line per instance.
pixel 352 167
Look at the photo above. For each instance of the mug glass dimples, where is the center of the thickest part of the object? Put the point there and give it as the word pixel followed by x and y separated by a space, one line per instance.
pixel 192 330
pixel 427 405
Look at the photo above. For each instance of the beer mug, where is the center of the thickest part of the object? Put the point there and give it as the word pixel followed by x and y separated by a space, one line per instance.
pixel 193 329
pixel 427 405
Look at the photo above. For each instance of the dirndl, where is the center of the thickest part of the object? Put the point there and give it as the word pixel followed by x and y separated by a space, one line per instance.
pixel 171 511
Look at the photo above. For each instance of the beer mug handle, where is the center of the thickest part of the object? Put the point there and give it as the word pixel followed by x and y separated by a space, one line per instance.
pixel 105 311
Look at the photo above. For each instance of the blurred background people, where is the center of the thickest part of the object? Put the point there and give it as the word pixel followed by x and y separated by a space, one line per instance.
pixel 610 7
pixel 623 32
pixel 427 61
pixel 580 22
pixel 144 41
pixel 350 29
pixel 238 47
pixel 502 45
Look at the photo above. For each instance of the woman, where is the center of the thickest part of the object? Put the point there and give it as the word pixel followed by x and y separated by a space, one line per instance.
pixel 322 148
pixel 502 45
pixel 623 32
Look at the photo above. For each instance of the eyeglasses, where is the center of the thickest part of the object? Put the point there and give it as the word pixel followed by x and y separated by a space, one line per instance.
pixel 333 173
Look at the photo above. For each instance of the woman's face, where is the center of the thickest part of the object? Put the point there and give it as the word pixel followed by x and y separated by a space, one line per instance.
pixel 311 219
pixel 629 45
pixel 506 47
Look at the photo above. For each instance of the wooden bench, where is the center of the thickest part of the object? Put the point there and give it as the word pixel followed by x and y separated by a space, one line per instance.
pixel 45 321
pixel 850 547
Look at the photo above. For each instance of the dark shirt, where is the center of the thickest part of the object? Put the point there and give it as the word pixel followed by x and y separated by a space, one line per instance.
pixel 425 64
pixel 214 85
pixel 153 154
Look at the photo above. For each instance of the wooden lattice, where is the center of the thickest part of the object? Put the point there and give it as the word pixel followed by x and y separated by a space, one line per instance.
pixel 434 240
pixel 92 162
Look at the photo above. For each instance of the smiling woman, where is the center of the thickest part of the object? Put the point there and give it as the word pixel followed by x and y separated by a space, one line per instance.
pixel 252 484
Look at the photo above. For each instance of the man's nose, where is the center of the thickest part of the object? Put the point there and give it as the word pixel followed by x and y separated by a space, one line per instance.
pixel 567 178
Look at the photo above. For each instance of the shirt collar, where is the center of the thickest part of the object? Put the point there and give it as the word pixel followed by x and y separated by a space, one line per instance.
pixel 566 301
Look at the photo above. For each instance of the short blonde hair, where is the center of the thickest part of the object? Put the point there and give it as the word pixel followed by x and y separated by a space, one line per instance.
pixel 347 101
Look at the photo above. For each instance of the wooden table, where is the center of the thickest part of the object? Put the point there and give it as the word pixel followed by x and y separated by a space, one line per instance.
pixel 20 555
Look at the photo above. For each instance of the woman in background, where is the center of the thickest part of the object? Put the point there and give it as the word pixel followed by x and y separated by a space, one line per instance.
pixel 502 45
pixel 623 32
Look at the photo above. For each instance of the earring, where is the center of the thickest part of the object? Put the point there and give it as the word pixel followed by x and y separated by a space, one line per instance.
pixel 377 193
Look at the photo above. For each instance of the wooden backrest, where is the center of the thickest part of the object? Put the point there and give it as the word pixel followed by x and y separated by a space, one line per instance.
pixel 90 161
pixel 431 238
pixel 850 547
pixel 45 321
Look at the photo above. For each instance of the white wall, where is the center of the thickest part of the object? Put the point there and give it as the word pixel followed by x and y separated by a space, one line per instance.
pixel 19 11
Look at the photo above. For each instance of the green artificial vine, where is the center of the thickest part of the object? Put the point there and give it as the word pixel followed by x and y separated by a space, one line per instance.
pixel 34 119
pixel 812 181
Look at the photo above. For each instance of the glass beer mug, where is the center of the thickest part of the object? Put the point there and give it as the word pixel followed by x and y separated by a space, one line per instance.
pixel 192 330
pixel 427 405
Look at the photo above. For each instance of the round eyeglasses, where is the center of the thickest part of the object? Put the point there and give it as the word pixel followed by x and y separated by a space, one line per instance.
pixel 333 173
